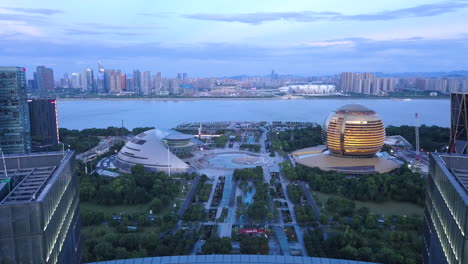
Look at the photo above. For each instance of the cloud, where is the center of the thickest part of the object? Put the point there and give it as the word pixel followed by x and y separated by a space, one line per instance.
pixel 35 11
pixel 118 27
pixel 332 55
pixel 11 28
pixel 72 31
pixel 425 10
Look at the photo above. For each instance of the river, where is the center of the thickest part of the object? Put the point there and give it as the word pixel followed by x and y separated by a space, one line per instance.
pixel 80 114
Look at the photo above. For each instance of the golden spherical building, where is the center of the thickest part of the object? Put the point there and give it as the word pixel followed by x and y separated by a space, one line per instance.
pixel 354 130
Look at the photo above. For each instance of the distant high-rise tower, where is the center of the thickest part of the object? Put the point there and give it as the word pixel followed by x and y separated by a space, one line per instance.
pixel 146 82
pixel 346 81
pixel 87 81
pixel 44 78
pixel 101 67
pixel 75 81
pixel 158 82
pixel 100 86
pixel 15 131
pixel 44 123
pixel 179 76
pixel 184 76
pixel 123 81
pixel 458 123
pixel 137 81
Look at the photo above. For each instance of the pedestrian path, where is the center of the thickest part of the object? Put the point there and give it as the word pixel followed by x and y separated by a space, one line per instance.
pixel 282 239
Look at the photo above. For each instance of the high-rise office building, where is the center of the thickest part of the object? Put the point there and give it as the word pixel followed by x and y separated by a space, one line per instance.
pixel 15 132
pixel 75 81
pixel 158 82
pixel 179 76
pixel 346 81
pixel 136 81
pixel 87 81
pixel 44 123
pixel 129 84
pixel 446 214
pixel 146 83
pixel 65 81
pixel 100 67
pixel 39 209
pixel 458 123
pixel 184 76
pixel 123 80
pixel 44 78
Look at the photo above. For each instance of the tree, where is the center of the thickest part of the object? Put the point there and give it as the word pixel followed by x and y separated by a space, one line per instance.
pixel 217 246
pixel 254 245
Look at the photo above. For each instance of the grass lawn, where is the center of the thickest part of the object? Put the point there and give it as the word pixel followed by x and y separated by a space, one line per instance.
pixel 385 208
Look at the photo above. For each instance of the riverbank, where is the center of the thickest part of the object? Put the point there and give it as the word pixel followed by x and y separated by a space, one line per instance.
pixel 253 98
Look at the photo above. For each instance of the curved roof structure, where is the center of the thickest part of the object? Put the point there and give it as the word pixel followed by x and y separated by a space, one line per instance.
pixel 354 109
pixel 146 149
pixel 233 259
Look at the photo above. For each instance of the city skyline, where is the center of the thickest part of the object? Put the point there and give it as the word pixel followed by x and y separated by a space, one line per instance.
pixel 226 39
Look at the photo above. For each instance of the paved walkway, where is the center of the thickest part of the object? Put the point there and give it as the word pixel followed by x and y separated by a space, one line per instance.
pixel 282 239
pixel 213 189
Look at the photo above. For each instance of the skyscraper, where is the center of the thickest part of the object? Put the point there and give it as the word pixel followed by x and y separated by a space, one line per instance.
pixel 87 81
pixel 44 123
pixel 75 80
pixel 15 131
pixel 146 82
pixel 158 82
pixel 39 210
pixel 44 78
pixel 446 214
pixel 346 81
pixel 137 81
pixel 100 86
pixel 458 123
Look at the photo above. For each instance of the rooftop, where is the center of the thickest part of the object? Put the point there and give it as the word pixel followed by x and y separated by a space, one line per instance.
pixel 354 109
pixel 27 190
pixel 457 165
pixel 30 174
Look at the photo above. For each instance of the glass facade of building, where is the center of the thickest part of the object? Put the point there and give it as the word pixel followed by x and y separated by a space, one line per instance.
pixel 15 132
pixel 39 217
pixel 446 214
pixel 44 125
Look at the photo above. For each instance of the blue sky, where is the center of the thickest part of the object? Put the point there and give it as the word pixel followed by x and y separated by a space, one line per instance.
pixel 224 38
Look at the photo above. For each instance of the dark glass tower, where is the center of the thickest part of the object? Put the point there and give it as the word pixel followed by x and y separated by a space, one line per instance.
pixel 15 132
pixel 44 125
